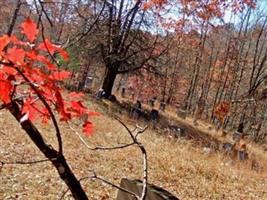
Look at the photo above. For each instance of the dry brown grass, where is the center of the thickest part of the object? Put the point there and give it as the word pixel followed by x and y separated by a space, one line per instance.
pixel 176 165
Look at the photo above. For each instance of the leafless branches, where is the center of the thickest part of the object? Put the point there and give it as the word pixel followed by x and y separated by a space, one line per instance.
pixel 135 142
pixel 14 17
pixel 97 177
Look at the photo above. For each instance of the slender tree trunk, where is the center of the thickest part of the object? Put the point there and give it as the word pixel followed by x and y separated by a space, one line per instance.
pixel 173 80
pixel 223 70
pixel 197 66
pixel 58 160
pixel 164 91
pixel 209 81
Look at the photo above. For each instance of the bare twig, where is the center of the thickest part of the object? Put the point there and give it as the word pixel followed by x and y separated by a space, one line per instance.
pixel 23 162
pixel 143 150
pixel 82 35
pixel 43 37
pixel 140 131
pixel 113 185
pixel 95 176
pixel 99 147
pixel 133 136
pixel 44 11
pixel 14 17
pixel 63 194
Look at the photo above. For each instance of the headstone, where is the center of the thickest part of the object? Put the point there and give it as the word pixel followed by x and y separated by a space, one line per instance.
pixel 123 92
pixel 242 155
pixel 227 148
pixel 154 117
pixel 100 94
pixel 136 110
pixel 152 101
pixel 136 186
pixel 176 131
pixel 162 106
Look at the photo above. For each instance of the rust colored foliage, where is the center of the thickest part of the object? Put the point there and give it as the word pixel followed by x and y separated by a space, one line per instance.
pixel 28 75
pixel 205 10
pixel 221 110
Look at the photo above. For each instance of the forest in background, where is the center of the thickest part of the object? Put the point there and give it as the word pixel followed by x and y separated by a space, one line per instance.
pixel 194 56
pixel 205 60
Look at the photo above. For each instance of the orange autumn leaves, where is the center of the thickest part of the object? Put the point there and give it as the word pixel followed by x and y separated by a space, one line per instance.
pixel 28 74
pixel 222 110
pixel 205 10
pixel 29 29
pixel 151 3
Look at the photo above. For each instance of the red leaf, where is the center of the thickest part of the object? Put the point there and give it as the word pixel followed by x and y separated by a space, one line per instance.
pixel 65 116
pixel 60 75
pixel 16 41
pixel 88 128
pixel 52 48
pixel 16 55
pixel 75 95
pixel 45 115
pixel 4 40
pixel 29 110
pixel 9 70
pixel 64 54
pixel 29 28
pixel 48 46
pixel 5 89
pixel 36 57
pixel 78 108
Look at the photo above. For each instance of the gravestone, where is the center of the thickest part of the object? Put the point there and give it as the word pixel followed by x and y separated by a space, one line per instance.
pixel 136 186
pixel 100 94
pixel 162 106
pixel 152 101
pixel 237 136
pixel 176 131
pixel 154 117
pixel 227 148
pixel 123 92
pixel 136 110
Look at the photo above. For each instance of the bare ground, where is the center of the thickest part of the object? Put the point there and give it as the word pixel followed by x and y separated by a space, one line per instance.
pixel 180 166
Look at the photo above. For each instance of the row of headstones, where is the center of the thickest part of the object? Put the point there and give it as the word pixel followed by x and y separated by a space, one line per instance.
pixel 136 112
pixel 153 116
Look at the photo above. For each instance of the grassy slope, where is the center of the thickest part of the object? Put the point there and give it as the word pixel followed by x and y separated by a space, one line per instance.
pixel 176 165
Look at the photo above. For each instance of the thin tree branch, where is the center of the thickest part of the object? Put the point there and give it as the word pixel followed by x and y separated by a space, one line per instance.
pixel 99 147
pixel 14 18
pixel 113 185
pixel 23 162
pixel 44 11
pixel 82 35
pixel 94 176
pixel 143 150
